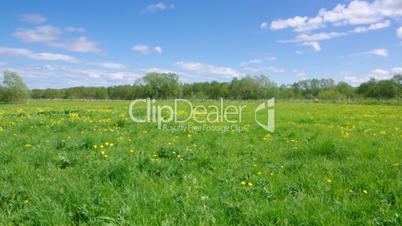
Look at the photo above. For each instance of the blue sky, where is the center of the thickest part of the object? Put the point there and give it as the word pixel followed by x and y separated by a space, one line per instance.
pixel 55 44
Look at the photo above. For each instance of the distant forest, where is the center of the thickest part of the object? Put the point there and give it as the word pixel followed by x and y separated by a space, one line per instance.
pixel 168 85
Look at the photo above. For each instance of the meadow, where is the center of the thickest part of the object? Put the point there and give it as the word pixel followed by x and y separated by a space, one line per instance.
pixel 85 162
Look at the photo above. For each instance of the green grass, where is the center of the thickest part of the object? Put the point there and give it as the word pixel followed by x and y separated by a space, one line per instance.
pixel 326 164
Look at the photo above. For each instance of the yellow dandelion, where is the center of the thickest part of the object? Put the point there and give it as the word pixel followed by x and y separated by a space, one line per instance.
pixel 272 174
pixel 111 144
pixel 250 184
pixel 259 173
pixel 95 146
pixel 131 151
pixel 243 183
pixel 365 191
pixel 329 180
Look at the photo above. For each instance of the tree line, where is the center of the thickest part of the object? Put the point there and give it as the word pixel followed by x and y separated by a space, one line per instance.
pixel 168 85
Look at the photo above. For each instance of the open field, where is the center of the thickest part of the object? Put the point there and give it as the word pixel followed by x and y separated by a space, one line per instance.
pixel 85 162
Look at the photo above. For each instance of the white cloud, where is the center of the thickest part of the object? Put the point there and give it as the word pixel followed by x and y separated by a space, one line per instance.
pixel 357 12
pixel 110 65
pixel 50 36
pixel 318 36
pixel 34 18
pixel 160 6
pixel 399 32
pixel 373 27
pixel 37 56
pixel 257 61
pixel 355 80
pixel 62 76
pixel 376 52
pixel 364 16
pixel 288 23
pixel 315 45
pixel 81 44
pixel 76 29
pixel 378 74
pixel 312 40
pixel 159 70
pixel 42 34
pixel 207 69
pixel 145 49
pixel 264 25
pixel 251 62
pixel 265 69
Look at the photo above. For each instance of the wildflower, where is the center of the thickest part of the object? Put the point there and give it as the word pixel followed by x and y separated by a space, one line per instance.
pixel 28 145
pixel 107 143
pixel 250 184
pixel 101 146
pixel 259 173
pixel 243 183
pixel 272 174
pixel 329 180
pixel 95 146
pixel 111 144
pixel 131 151
pixel 267 137
pixel 365 191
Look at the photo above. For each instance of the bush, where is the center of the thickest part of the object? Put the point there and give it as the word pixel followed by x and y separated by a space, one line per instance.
pixel 13 88
pixel 331 94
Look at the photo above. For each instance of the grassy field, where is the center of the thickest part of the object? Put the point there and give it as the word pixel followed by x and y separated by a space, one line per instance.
pixel 85 162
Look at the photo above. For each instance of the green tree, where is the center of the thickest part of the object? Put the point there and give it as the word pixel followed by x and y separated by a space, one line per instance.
pixel 13 88
pixel 162 85
pixel 345 89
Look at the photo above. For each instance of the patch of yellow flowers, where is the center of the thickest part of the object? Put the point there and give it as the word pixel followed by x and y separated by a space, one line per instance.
pixel 102 147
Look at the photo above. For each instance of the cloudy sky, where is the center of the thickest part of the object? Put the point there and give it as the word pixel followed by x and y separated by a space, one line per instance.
pixel 54 44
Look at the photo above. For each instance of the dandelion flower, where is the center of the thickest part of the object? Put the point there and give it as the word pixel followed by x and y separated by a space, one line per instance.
pixel 365 191
pixel 243 183
pixel 250 184
pixel 329 180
